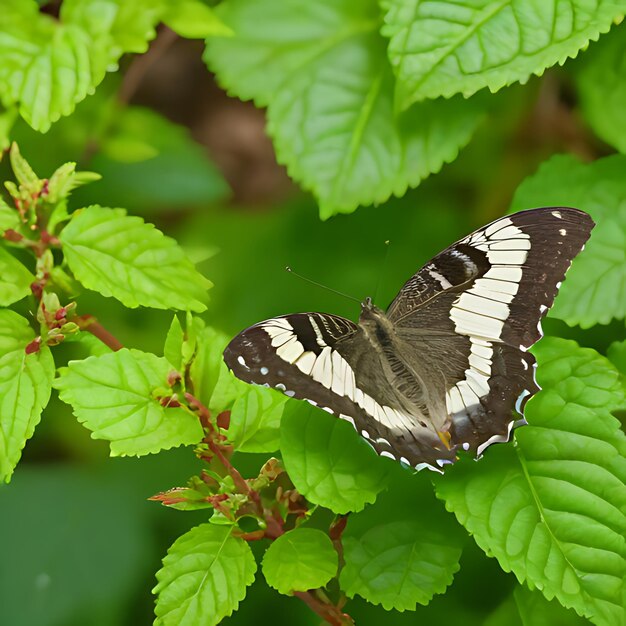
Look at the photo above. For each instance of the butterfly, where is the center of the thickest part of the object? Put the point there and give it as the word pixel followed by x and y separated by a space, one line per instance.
pixel 446 367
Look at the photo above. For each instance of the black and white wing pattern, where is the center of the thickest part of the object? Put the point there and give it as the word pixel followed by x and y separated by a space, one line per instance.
pixel 446 367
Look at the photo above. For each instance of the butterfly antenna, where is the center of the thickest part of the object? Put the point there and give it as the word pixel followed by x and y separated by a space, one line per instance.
pixel 308 280
pixel 382 271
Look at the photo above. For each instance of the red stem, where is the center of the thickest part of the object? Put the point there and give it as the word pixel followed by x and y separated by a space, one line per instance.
pixel 91 325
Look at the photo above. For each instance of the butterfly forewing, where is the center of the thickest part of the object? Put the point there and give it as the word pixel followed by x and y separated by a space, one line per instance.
pixel 447 367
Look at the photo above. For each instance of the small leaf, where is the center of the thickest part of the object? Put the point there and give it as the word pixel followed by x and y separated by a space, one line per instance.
pixel 7 119
pixel 328 462
pixel 115 396
pixel 601 81
pixel 535 610
pixel 399 564
pixel 123 257
pixel 593 291
pixel 299 560
pixel 255 420
pixel 403 549
pixel 443 48
pixel 25 385
pixel 15 279
pixel 22 170
pixel 338 135
pixel 9 217
pixel 551 508
pixel 173 348
pixel 204 577
pixel 194 20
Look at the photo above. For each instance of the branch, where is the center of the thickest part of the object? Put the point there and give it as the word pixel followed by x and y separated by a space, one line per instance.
pixel 91 325
pixel 328 612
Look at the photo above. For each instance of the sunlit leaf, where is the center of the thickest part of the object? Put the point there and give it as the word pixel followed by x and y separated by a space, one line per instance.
pixel 9 217
pixel 535 610
pixel 446 47
pixel 594 291
pixel 204 577
pixel 299 560
pixel 551 508
pixel 194 19
pixel 327 461
pixel 336 132
pixel 116 396
pixel 25 385
pixel 123 257
pixel 15 279
pixel 404 548
pixel 173 348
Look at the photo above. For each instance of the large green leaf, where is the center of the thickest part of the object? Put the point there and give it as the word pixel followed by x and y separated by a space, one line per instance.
pixel 446 47
pixel 535 610
pixel 594 291
pixel 299 560
pixel 204 577
pixel 328 462
pixel 116 396
pixel 551 507
pixel 48 65
pixel 601 82
pixel 15 279
pixel 25 384
pixel 320 68
pixel 123 257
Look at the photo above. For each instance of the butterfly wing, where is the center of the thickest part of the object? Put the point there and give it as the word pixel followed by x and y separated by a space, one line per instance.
pixel 483 298
pixel 327 360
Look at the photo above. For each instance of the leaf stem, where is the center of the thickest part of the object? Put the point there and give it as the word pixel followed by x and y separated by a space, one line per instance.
pixel 91 325
pixel 328 612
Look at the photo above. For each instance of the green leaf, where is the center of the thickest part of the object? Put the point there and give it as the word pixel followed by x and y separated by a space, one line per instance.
pixel 194 19
pixel 616 353
pixel 116 396
pixel 255 420
pixel 22 170
pixel 173 348
pixel 329 463
pixel 49 65
pixel 594 291
pixel 124 26
pixel 204 577
pixel 7 119
pixel 299 560
pixel 399 564
pixel 535 610
pixel 551 508
pixel 15 279
pixel 25 385
pixel 9 217
pixel 601 82
pixel 339 138
pixel 46 67
pixel 443 48
pixel 123 257
pixel 403 549
pixel 150 163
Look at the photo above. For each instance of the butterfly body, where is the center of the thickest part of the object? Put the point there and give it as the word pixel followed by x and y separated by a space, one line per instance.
pixel 446 367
